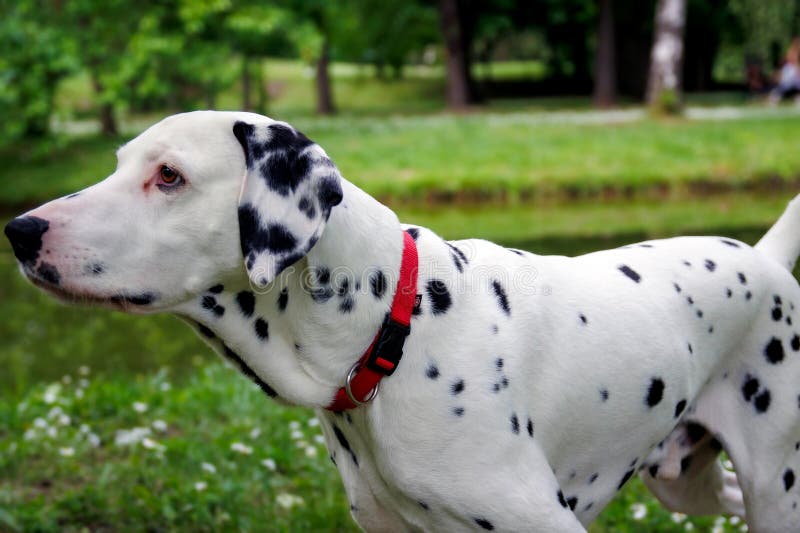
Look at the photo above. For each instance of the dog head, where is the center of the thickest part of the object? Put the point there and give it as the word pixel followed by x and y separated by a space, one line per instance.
pixel 193 199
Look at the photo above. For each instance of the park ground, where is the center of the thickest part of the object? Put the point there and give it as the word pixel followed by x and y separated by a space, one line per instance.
pixel 110 422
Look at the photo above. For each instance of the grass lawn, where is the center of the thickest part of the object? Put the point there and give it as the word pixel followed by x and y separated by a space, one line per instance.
pixel 508 157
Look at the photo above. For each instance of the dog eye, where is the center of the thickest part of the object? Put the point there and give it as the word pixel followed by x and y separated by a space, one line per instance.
pixel 168 178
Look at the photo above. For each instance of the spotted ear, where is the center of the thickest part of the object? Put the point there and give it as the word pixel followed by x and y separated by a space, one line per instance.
pixel 288 192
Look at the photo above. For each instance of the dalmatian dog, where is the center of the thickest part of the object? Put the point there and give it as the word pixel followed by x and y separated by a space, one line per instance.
pixel 531 388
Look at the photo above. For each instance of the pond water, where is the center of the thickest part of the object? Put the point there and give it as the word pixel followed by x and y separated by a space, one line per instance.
pixel 41 339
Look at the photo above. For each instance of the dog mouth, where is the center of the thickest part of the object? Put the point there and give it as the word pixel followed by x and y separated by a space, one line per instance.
pixel 121 301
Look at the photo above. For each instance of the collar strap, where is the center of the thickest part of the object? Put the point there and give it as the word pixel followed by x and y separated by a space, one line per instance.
pixel 384 354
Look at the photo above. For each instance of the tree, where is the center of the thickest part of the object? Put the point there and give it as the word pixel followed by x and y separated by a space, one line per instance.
pixel 605 72
pixel 457 21
pixel 664 79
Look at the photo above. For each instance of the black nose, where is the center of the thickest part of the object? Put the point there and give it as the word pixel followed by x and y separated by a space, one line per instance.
pixel 25 235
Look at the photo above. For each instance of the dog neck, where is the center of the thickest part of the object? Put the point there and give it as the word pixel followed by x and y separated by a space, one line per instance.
pixel 305 330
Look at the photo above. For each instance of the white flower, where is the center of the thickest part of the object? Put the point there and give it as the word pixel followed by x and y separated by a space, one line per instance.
pixel 744 527
pixel 55 412
pixel 718 528
pixel 84 429
pixel 269 464
pixel 126 437
pixel 311 452
pixel 93 439
pixel 297 434
pixel 66 452
pixel 52 432
pixel 51 393
pixel 313 422
pixel 639 511
pixel 734 520
pixel 200 486
pixel 688 526
pixel 319 439
pixel 165 386
pixel 79 393
pixel 678 517
pixel 254 433
pixel 241 448
pixel 294 424
pixel 301 444
pixel 139 407
pixel 64 420
pixel 40 422
pixel 150 444
pixel 66 380
pixel 287 501
pixel 208 467
pixel 159 425
pixel 83 370
pixel 83 382
pixel 29 434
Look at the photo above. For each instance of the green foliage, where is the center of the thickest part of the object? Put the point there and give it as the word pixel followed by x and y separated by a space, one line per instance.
pixel 766 27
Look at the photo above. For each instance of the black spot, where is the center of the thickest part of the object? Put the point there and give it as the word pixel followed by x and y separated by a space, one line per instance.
pixel 284 170
pixel 344 442
pixel 572 502
pixel 583 318
pixel 749 387
pixel 777 299
pixel 690 300
pixel 679 407
pixel 95 268
pixel 604 394
pixel 655 392
pixel 209 302
pixel 456 250
pixel 777 314
pixel 432 372
pixel 499 363
pixel 495 329
pixel 653 470
pixel 728 293
pixel 247 302
pixel 762 401
pixel 687 263
pixel 283 299
pixel 686 462
pixel 414 232
pixel 502 299
pixel 485 524
pixel 248 372
pixel 514 424
pixel 262 329
pixel 514 250
pixel 306 206
pixel 504 382
pixel 377 283
pixel 205 332
pixel 699 313
pixel 439 296
pixel 774 351
pixel 788 479
pixel 628 271
pixel 458 411
pixel 561 499
pixel 625 478
pixel 530 428
pixel 795 342
pixel 748 295
pixel 216 289
pixel 254 237
pixel 146 298
pixel 593 478
pixel 710 265
pixel 347 304
pixel 730 243
pixel 73 195
pixel 49 273
pixel 457 262
pixel 677 287
pixel 645 246
pixel 457 387
pixel 423 505
pixel 742 278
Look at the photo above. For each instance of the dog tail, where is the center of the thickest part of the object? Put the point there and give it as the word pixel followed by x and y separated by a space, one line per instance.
pixel 782 241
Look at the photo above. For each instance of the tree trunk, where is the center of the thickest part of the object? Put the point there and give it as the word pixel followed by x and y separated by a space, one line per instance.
pixel 324 93
pixel 261 88
pixel 246 83
pixel 605 70
pixel 457 32
pixel 108 124
pixel 666 57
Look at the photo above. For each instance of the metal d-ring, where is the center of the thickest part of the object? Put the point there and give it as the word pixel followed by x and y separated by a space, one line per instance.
pixel 369 398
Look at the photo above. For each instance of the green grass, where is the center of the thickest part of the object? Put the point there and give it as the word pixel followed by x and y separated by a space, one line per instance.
pixel 510 157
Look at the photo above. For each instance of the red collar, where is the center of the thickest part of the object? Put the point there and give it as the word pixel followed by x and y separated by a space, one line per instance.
pixel 384 354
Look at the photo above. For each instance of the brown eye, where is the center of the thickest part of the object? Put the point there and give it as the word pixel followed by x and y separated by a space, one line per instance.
pixel 169 175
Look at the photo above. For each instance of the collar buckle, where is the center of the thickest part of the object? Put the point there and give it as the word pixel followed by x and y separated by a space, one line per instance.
pixel 387 350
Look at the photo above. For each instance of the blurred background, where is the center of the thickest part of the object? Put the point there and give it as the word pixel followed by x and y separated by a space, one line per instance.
pixel 558 126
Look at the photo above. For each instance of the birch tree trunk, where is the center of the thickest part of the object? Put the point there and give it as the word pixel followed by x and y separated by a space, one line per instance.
pixel 666 57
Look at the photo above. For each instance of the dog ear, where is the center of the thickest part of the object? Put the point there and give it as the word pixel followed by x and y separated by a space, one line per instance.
pixel 289 189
